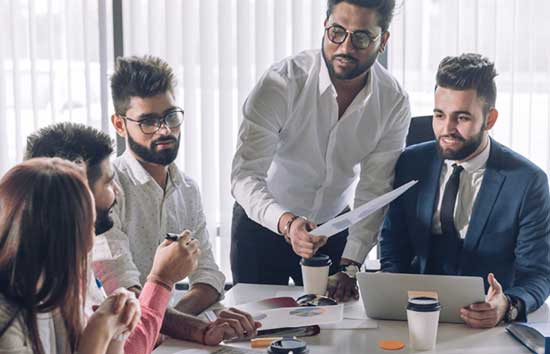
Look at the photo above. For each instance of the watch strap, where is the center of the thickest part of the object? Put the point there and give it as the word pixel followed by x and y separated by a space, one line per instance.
pixel 513 310
pixel 349 269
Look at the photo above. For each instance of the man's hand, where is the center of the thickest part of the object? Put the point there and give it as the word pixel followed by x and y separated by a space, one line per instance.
pixel 487 314
pixel 303 243
pixel 231 323
pixel 241 322
pixel 215 332
pixel 174 260
pixel 342 288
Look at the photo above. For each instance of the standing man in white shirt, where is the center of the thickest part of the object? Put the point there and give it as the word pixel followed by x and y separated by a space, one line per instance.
pixel 320 129
pixel 156 197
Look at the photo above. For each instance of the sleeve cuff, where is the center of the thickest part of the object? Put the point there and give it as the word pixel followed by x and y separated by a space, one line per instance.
pixel 218 283
pixel 271 217
pixel 522 315
pixel 356 250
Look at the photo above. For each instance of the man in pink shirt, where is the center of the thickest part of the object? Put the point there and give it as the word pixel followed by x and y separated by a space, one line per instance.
pixel 173 260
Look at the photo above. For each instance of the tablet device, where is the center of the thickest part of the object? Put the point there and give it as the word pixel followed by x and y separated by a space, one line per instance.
pixel 385 295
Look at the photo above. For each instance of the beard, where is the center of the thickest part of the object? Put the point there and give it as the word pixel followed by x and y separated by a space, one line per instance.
pixel 104 221
pixel 359 68
pixel 163 157
pixel 468 146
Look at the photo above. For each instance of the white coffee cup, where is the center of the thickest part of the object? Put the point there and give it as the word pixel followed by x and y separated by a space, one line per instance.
pixel 315 273
pixel 423 319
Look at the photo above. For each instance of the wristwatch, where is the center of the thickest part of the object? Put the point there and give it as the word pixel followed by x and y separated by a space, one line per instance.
pixel 349 269
pixel 513 310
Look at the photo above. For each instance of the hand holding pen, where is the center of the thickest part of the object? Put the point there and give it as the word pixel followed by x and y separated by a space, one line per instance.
pixel 176 257
pixel 175 237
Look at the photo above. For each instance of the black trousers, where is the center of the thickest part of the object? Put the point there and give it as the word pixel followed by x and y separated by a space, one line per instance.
pixel 261 256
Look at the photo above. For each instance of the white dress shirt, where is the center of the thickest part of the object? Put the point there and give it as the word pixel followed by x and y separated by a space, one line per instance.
pixel 294 154
pixel 468 188
pixel 144 213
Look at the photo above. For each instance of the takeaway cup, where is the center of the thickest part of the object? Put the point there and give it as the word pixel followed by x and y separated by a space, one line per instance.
pixel 315 273
pixel 423 319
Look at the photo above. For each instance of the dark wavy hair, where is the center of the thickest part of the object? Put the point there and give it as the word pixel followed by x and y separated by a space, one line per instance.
pixel 384 9
pixel 469 71
pixel 46 233
pixel 145 76
pixel 74 142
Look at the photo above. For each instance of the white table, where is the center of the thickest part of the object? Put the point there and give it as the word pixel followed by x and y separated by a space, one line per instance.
pixel 451 338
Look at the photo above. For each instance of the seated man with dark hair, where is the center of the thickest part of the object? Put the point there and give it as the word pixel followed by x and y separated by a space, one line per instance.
pixel 479 208
pixel 157 197
pixel 93 149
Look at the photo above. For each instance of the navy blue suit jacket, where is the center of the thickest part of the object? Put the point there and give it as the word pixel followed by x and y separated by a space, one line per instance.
pixel 509 230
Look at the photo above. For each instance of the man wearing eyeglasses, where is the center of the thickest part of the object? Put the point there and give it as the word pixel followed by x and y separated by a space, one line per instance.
pixel 320 129
pixel 157 198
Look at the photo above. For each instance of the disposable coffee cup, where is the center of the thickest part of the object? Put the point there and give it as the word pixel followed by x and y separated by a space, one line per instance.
pixel 423 319
pixel 287 346
pixel 315 273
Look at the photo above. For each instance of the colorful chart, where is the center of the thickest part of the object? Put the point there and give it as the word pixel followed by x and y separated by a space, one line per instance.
pixel 308 312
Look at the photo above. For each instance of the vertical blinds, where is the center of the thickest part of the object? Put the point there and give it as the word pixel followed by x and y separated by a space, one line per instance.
pixel 57 55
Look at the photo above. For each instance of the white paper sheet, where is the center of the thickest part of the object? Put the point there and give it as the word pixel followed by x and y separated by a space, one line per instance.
pixel 354 313
pixel 354 310
pixel 344 221
pixel 295 293
pixel 299 316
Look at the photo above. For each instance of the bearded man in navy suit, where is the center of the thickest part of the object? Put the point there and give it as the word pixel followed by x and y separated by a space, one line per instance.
pixel 479 208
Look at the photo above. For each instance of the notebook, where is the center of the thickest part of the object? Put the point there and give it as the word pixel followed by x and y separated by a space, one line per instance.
pixel 535 336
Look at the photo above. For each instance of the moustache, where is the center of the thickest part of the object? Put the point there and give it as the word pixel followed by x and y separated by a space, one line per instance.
pixel 453 136
pixel 344 56
pixel 165 140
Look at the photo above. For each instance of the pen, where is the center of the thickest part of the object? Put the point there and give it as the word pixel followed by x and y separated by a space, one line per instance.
pixel 172 236
pixel 175 237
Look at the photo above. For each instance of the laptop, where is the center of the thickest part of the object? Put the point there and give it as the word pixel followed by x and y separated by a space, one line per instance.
pixel 385 295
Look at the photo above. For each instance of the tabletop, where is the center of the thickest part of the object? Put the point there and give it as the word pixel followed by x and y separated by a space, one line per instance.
pixel 451 338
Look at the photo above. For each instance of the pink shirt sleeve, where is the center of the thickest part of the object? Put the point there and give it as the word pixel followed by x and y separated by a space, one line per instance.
pixel 153 300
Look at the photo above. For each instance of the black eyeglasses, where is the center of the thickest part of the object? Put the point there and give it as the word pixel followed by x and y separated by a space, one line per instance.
pixel 360 39
pixel 315 300
pixel 171 119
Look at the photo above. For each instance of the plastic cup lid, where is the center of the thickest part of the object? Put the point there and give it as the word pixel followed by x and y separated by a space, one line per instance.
pixel 423 304
pixel 287 345
pixel 318 260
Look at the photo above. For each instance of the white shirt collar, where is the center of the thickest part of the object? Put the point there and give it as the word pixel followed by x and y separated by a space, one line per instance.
pixel 476 163
pixel 325 82
pixel 324 76
pixel 139 175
